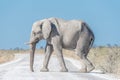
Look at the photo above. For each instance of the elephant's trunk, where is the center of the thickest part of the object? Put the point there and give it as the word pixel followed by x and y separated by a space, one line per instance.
pixel 32 51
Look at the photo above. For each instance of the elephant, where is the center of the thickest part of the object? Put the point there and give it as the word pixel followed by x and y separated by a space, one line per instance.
pixel 62 34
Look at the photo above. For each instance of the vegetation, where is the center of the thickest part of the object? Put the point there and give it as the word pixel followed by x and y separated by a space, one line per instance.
pixel 5 55
pixel 106 58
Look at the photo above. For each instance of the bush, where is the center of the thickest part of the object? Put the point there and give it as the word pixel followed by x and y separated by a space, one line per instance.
pixel 106 58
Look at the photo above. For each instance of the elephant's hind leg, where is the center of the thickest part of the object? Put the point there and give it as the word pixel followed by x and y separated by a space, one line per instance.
pixel 82 50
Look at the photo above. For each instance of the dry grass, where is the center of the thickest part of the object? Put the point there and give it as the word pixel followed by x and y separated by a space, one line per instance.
pixel 6 56
pixel 104 58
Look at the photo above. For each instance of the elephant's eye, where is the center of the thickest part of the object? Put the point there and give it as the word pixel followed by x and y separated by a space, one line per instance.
pixel 39 32
pixel 34 33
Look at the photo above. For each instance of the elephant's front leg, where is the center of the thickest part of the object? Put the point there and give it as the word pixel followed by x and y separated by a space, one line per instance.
pixel 58 51
pixel 61 60
pixel 48 52
pixel 57 46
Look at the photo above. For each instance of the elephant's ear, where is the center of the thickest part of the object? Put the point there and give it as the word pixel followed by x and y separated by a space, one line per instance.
pixel 46 29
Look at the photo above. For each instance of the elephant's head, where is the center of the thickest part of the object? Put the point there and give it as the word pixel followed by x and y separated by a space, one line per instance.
pixel 40 30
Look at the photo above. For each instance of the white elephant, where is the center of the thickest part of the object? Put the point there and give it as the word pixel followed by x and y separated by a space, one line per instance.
pixel 59 33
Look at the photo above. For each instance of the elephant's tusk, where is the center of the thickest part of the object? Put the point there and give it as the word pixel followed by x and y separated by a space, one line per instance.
pixel 27 43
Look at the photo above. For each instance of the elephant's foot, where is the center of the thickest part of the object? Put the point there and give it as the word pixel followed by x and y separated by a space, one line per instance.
pixel 90 68
pixel 87 70
pixel 64 70
pixel 83 70
pixel 44 69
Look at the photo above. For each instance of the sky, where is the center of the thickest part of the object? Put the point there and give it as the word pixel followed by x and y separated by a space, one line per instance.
pixel 17 17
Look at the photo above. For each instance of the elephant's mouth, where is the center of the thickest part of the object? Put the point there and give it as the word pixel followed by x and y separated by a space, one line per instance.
pixel 36 40
pixel 33 41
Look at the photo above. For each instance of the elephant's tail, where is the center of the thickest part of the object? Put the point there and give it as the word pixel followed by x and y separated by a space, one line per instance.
pixel 91 42
pixel 92 38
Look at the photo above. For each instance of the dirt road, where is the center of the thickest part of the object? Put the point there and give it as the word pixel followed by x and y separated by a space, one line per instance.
pixel 19 70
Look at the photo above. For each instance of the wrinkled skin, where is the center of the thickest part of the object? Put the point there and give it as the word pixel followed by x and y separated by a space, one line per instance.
pixel 59 34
